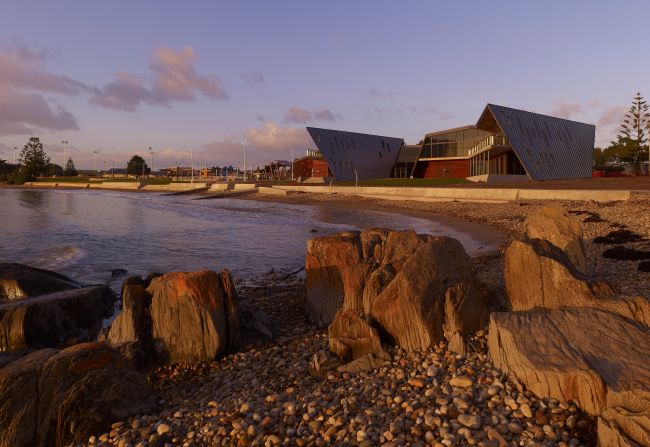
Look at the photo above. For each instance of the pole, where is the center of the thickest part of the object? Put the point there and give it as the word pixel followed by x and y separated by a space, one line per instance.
pixel 291 149
pixel 151 151
pixel 113 171
pixel 244 151
pixel 15 149
pixel 192 161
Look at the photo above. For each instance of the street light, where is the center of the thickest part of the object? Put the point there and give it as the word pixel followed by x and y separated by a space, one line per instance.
pixel 64 143
pixel 95 157
pixel 244 151
pixel 291 149
pixel 151 152
pixel 15 149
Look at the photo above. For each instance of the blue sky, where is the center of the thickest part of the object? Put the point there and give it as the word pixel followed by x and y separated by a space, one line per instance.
pixel 122 76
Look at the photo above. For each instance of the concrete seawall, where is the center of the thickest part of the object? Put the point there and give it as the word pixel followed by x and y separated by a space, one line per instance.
pixel 465 194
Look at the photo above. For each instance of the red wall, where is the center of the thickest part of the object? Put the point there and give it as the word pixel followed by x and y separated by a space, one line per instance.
pixel 307 167
pixel 442 168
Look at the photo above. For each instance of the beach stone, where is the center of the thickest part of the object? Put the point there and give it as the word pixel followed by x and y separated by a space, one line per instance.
pixel 55 319
pixel 554 224
pixel 19 281
pixel 350 337
pixel 53 397
pixel 195 315
pixel 470 420
pixel 461 381
pixel 539 274
pixel 594 357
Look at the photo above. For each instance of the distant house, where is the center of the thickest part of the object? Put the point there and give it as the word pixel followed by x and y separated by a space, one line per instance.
pixel 313 164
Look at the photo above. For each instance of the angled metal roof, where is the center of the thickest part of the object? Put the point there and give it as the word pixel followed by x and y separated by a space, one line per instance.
pixel 371 156
pixel 548 147
pixel 409 153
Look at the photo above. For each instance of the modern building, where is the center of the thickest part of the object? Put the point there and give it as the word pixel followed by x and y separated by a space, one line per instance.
pixel 503 142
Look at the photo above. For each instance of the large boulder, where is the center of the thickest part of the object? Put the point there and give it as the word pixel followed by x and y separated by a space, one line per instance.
pixel 56 319
pixel 18 281
pixel 434 296
pixel 416 290
pixel 195 315
pixel 351 337
pixel 539 274
pixel 554 224
pixel 54 398
pixel 595 357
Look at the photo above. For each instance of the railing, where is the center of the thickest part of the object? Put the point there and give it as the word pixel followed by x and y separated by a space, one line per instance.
pixel 492 140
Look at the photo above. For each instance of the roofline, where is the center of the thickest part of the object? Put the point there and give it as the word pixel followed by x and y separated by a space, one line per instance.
pixel 309 129
pixel 534 113
pixel 454 129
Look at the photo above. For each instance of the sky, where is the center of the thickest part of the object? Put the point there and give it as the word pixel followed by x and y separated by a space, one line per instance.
pixel 217 79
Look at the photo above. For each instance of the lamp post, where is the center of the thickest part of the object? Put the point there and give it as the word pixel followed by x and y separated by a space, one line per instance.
pixel 64 143
pixel 15 149
pixel 192 163
pixel 244 152
pixel 151 152
pixel 291 149
pixel 95 157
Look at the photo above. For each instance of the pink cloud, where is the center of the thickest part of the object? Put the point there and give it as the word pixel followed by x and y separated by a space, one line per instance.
pixel 297 115
pixel 174 79
pixel 612 116
pixel 24 113
pixel 326 115
pixel 565 109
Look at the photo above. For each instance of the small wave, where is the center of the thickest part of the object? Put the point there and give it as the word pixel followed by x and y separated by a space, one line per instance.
pixel 60 257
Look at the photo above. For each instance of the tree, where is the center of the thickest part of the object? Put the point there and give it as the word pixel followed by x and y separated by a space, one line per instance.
pixel 33 159
pixel 137 166
pixel 632 137
pixel 70 170
pixel 54 170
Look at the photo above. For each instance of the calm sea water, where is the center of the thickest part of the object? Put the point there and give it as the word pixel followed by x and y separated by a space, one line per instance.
pixel 86 234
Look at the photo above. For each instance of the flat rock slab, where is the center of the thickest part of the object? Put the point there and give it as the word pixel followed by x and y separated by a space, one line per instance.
pixel 18 281
pixel 595 357
pixel 55 319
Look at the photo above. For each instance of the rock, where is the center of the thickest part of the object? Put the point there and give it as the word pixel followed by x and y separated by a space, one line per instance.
pixel 554 224
pixel 335 271
pixel 18 281
pixel 470 421
pixel 433 296
pixel 255 321
pixel 350 337
pixel 133 324
pixel 321 363
pixel 365 363
pixel 118 272
pixel 56 319
pixel 595 357
pixel 52 397
pixel 417 290
pixel 461 381
pixel 195 315
pixel 539 274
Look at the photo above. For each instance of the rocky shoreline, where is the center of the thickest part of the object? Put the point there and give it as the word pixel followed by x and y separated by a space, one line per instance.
pixel 279 387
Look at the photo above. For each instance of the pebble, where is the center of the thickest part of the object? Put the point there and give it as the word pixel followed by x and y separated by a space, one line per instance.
pixel 163 429
pixel 461 381
pixel 470 420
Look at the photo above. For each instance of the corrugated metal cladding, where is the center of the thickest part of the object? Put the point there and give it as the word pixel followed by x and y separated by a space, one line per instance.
pixel 548 147
pixel 372 156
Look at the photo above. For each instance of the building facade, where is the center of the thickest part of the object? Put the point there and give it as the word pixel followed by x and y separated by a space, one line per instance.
pixel 503 142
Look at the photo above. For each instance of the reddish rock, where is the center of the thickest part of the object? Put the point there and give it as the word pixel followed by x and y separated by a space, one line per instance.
pixel 554 224
pixel 54 398
pixel 432 297
pixel 595 357
pixel 193 314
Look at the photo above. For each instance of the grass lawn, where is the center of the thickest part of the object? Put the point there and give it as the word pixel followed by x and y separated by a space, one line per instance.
pixel 418 182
